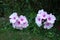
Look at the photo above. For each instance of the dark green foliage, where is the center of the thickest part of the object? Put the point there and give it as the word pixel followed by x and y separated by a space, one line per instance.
pixel 29 8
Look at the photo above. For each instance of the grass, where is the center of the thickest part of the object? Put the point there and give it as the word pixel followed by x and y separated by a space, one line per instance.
pixel 31 33
pixel 29 9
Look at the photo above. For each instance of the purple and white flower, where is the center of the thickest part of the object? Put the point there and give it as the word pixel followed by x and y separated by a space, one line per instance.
pixel 38 21
pixel 42 14
pixel 51 18
pixel 48 25
pixel 18 22
pixel 23 20
pixel 21 23
pixel 13 17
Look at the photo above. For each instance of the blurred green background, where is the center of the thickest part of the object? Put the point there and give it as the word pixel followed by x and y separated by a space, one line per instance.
pixel 29 8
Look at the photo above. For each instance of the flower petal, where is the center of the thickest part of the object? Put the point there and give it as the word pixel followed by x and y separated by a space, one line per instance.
pixel 13 15
pixel 38 21
pixel 40 11
pixel 12 21
pixel 48 25
pixel 22 19
pixel 13 25
pixel 42 14
pixel 25 25
pixel 51 18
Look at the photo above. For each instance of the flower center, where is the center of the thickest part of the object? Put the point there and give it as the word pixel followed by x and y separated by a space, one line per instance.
pixel 22 19
pixel 14 18
pixel 18 22
pixel 49 18
pixel 24 23
pixel 43 15
pixel 47 24
pixel 38 19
